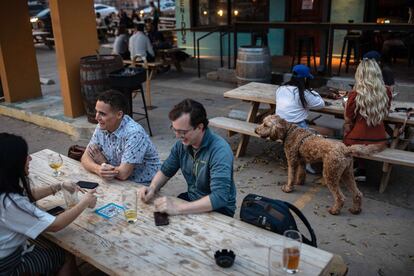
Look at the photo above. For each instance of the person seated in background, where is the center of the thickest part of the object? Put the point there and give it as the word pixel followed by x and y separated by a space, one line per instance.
pixel 387 74
pixel 205 160
pixel 155 36
pixel 119 148
pixel 155 14
pixel 125 20
pixel 294 99
pixel 22 250
pixel 136 19
pixel 121 43
pixel 139 44
pixel 367 106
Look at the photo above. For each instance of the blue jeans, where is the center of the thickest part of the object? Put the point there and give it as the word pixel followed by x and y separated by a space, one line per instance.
pixel 302 124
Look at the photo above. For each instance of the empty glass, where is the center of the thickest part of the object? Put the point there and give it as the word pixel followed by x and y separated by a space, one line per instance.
pixel 71 197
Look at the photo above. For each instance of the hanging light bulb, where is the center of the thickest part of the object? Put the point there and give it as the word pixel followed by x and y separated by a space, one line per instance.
pixel 220 12
pixel 236 12
pixel 205 12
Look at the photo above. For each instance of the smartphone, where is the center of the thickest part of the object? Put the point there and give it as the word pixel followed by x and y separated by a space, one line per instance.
pixel 56 211
pixel 87 184
pixel 161 219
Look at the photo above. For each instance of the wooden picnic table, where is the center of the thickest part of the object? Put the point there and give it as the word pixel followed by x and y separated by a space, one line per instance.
pixel 184 247
pixel 259 93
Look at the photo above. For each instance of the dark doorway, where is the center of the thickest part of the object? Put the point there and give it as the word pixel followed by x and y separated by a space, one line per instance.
pixel 303 11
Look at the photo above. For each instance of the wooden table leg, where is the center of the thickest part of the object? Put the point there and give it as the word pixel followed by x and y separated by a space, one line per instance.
pixel 251 117
pixel 386 167
pixel 150 72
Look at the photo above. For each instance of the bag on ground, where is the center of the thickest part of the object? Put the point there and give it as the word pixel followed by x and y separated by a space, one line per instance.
pixel 274 215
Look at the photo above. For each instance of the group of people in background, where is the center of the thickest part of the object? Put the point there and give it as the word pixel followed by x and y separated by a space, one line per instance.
pixel 367 105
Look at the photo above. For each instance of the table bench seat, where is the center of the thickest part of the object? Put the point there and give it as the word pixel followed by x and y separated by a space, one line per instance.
pixel 392 156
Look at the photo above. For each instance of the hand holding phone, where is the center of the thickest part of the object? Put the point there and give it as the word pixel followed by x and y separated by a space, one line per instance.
pixel 161 219
pixel 87 184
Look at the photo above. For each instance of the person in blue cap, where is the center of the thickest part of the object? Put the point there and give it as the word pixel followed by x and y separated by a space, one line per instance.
pixel 387 74
pixel 294 99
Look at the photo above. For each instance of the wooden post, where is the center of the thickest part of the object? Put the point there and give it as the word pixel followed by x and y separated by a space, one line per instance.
pixel 18 66
pixel 74 28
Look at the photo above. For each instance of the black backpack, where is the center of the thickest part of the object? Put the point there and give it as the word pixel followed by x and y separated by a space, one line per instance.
pixel 273 215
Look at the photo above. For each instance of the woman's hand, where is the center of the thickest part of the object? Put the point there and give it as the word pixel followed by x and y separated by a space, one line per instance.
pixel 89 198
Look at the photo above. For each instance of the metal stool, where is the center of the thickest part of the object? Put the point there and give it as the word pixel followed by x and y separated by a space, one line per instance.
pixel 353 42
pixel 308 42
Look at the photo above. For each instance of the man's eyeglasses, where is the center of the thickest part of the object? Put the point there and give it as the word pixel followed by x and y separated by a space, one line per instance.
pixel 181 132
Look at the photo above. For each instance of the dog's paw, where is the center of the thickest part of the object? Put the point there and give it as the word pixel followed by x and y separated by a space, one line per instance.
pixel 355 211
pixel 334 211
pixel 287 189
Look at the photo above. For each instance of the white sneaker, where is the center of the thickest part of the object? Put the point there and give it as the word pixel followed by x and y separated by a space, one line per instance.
pixel 309 169
pixel 361 178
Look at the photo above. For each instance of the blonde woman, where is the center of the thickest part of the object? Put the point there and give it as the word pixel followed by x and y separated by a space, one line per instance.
pixel 367 107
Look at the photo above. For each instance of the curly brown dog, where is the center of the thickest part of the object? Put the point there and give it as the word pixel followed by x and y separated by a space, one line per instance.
pixel 302 146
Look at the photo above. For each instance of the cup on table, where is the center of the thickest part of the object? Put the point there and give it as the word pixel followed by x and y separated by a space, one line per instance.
pixel 71 197
pixel 291 251
pixel 129 202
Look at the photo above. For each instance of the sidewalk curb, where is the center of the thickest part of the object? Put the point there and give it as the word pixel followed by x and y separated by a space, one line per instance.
pixel 76 132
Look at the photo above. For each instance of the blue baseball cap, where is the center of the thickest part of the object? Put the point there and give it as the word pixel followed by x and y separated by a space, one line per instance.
pixel 302 71
pixel 373 55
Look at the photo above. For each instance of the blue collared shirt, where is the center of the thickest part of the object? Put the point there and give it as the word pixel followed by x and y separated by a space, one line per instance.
pixel 129 144
pixel 208 170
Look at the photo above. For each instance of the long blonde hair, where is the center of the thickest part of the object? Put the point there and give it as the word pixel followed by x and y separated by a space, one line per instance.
pixel 372 99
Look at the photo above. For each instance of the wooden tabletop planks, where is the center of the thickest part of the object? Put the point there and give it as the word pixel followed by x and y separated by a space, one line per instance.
pixel 184 247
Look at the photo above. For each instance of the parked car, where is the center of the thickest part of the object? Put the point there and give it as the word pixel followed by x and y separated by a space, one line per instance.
pixel 105 10
pixel 167 9
pixel 35 7
pixel 43 21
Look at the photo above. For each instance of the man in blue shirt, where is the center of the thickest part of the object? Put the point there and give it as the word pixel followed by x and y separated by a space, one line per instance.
pixel 206 161
pixel 119 148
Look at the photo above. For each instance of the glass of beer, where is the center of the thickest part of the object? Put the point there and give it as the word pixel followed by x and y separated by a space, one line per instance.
pixel 129 201
pixel 291 251
pixel 55 161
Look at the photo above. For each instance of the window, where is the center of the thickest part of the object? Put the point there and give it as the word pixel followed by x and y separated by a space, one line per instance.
pixel 216 13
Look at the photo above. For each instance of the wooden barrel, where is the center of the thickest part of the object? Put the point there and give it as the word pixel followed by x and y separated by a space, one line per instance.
pixel 94 78
pixel 253 64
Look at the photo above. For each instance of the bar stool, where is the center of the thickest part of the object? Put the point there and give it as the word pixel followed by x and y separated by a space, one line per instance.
pixel 308 42
pixel 352 41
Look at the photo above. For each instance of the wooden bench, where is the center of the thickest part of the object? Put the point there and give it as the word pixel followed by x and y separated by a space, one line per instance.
pixel 391 156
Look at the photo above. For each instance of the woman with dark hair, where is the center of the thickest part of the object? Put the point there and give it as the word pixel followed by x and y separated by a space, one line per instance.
pixel 294 98
pixel 22 251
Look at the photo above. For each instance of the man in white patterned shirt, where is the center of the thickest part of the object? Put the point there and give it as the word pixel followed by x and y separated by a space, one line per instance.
pixel 119 148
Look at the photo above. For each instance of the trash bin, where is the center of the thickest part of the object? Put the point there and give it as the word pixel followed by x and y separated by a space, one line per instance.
pixel 253 64
pixel 127 80
pixel 94 78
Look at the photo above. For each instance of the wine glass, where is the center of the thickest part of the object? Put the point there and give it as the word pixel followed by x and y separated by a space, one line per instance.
pixel 55 162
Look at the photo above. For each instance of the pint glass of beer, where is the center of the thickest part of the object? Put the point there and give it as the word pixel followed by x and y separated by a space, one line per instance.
pixel 291 251
pixel 129 201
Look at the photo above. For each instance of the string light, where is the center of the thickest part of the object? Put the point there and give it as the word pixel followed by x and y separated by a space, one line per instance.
pixel 236 12
pixel 220 12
